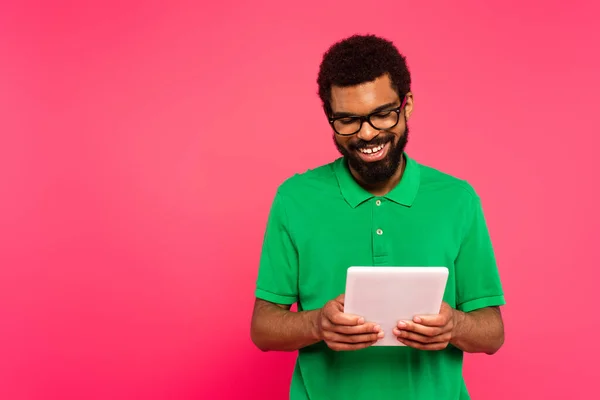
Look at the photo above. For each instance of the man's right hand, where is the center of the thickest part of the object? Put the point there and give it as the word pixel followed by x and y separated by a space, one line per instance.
pixel 345 332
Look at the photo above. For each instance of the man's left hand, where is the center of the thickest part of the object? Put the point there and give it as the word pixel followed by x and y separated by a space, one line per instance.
pixel 428 332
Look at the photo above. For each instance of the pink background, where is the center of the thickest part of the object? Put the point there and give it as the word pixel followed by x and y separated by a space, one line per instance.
pixel 142 145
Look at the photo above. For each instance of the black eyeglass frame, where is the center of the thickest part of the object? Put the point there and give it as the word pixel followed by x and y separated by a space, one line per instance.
pixel 367 118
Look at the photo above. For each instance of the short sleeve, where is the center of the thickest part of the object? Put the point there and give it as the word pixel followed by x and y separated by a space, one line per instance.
pixel 478 282
pixel 277 280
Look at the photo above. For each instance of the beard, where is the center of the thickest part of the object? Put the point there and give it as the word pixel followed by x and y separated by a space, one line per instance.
pixel 378 171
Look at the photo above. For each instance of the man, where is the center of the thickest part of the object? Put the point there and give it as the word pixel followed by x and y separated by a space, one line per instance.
pixel 377 206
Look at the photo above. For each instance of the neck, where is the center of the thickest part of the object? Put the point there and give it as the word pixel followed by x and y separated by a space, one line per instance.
pixel 383 188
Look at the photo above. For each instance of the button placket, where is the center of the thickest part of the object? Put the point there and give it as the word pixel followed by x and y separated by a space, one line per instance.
pixel 379 231
pixel 380 251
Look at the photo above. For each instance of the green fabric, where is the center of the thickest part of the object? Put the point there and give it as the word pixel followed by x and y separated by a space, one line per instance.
pixel 322 222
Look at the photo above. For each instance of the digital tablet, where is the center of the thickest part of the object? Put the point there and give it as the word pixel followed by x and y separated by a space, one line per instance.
pixel 385 295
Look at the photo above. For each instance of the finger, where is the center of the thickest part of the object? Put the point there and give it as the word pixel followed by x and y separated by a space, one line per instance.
pixel 431 320
pixel 356 329
pixel 336 346
pixel 440 319
pixel 419 328
pixel 424 346
pixel 340 318
pixel 353 339
pixel 334 312
pixel 416 337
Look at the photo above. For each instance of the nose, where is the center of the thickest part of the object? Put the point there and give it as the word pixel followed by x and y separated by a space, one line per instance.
pixel 367 132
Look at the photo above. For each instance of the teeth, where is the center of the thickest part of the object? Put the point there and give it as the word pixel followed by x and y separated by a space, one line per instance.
pixel 371 150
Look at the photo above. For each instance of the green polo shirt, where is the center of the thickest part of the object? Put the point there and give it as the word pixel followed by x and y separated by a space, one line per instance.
pixel 322 222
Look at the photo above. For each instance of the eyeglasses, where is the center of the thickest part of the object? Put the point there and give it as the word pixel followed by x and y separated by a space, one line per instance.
pixel 380 120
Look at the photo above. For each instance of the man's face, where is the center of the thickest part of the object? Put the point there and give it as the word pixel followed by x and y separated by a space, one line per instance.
pixel 374 155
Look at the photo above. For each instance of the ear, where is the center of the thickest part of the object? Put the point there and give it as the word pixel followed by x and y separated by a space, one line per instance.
pixel 408 107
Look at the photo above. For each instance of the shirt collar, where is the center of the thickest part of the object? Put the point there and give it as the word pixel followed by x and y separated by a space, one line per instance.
pixel 403 193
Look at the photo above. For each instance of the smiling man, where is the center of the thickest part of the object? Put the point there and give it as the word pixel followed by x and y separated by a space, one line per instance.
pixel 376 206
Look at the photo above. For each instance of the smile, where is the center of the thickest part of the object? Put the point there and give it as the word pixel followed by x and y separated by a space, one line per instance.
pixel 373 153
pixel 370 150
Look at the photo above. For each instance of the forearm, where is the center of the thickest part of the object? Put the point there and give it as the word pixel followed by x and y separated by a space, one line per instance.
pixel 275 328
pixel 479 331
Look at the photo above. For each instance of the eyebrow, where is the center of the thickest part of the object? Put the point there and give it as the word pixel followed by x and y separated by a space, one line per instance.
pixel 378 109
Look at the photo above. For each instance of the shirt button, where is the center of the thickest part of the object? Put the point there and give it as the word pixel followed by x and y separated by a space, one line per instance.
pixel 379 232
pixel 378 202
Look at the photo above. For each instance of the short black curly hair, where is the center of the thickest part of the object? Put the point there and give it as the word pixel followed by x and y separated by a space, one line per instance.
pixel 358 59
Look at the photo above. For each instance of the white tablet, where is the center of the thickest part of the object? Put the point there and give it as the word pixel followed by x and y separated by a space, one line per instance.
pixel 385 295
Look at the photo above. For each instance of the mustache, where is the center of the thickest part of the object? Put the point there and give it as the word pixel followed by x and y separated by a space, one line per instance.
pixel 360 143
